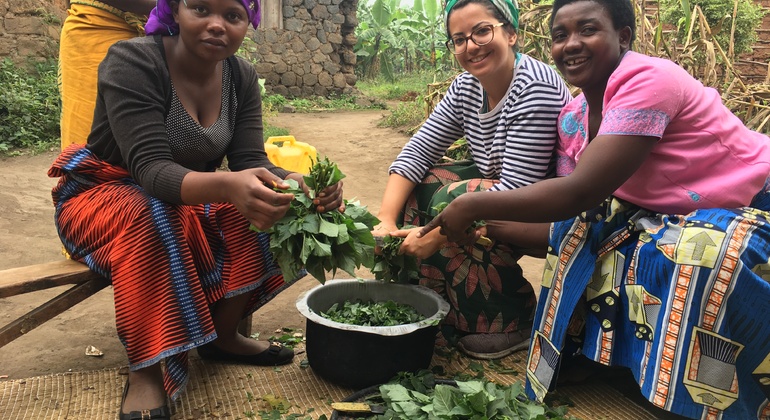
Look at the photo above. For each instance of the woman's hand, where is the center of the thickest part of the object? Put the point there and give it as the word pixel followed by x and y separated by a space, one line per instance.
pixel 382 230
pixel 420 247
pixel 330 198
pixel 454 222
pixel 249 192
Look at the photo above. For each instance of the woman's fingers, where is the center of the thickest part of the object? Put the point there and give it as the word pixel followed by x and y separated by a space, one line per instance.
pixel 329 198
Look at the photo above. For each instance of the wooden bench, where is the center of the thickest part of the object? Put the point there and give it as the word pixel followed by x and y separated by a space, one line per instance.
pixel 83 281
pixel 17 281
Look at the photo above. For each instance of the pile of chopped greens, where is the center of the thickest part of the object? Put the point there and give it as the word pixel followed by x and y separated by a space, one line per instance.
pixel 372 314
pixel 321 242
pixel 390 266
pixel 418 396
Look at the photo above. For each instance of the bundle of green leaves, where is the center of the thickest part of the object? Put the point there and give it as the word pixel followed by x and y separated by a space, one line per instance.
pixel 392 267
pixel 321 242
pixel 418 397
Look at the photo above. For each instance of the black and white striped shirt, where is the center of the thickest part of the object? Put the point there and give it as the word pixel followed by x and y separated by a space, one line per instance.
pixel 514 142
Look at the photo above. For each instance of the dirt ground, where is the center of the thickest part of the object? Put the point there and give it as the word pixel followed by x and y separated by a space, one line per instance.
pixel 362 150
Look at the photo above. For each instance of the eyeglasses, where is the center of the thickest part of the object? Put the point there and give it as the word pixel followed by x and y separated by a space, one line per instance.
pixel 482 35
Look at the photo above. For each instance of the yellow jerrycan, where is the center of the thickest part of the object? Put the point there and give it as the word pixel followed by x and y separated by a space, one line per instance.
pixel 290 154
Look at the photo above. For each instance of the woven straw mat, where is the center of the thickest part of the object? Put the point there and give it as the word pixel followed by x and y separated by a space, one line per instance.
pixel 221 391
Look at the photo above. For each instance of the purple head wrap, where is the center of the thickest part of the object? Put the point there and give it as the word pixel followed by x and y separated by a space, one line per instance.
pixel 161 19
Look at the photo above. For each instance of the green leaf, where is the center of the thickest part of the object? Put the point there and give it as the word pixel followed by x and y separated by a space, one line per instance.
pixel 316 269
pixel 312 223
pixel 394 392
pixel 306 250
pixel 329 229
pixel 443 400
pixel 320 248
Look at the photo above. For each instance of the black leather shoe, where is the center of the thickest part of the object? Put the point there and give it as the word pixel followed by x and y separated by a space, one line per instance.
pixel 276 354
pixel 160 413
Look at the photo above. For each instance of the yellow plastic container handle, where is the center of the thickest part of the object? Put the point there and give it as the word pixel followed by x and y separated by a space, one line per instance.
pixel 281 139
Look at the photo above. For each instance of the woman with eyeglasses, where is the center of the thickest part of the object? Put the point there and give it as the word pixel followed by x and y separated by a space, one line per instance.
pixel 144 205
pixel 505 105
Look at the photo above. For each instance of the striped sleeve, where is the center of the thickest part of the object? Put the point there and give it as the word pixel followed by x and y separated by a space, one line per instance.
pixel 443 127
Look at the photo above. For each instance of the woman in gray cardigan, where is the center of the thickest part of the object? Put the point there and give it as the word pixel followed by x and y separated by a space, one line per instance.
pixel 143 204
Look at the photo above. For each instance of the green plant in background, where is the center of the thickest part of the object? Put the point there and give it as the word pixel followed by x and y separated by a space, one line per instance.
pixel 29 107
pixel 376 33
pixel 273 131
pixel 392 40
pixel 406 117
pixel 733 23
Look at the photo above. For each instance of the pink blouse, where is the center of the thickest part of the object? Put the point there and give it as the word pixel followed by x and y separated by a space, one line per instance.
pixel 705 158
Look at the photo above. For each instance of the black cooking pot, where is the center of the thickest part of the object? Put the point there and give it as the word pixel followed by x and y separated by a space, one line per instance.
pixel 355 356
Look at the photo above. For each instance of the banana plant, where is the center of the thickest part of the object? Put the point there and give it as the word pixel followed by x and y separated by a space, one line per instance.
pixel 376 35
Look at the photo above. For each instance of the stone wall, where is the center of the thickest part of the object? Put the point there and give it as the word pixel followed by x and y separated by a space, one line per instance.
pixel 302 47
pixel 309 52
pixel 29 29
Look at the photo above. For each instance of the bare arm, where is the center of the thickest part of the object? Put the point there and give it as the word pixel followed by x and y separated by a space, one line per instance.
pixel 397 191
pixel 530 238
pixel 607 162
pixel 142 7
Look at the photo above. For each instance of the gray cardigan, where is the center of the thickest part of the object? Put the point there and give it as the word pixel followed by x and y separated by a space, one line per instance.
pixel 133 99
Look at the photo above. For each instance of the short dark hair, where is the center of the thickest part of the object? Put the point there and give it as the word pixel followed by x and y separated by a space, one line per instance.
pixel 621 12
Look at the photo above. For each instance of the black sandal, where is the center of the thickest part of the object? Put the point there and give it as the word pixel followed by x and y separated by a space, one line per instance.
pixel 276 354
pixel 160 413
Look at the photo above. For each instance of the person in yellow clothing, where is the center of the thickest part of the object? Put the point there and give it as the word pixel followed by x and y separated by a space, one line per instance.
pixel 90 28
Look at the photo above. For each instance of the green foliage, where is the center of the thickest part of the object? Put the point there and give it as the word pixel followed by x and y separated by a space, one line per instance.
pixel 248 50
pixel 274 102
pixel 289 337
pixel 29 107
pixel 273 131
pixel 719 15
pixel 392 40
pixel 407 86
pixel 372 314
pixel 407 116
pixel 418 396
pixel 321 242
pixel 459 150
pixel 392 266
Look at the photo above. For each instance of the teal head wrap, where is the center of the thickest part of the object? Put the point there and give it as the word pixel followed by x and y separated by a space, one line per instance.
pixel 509 9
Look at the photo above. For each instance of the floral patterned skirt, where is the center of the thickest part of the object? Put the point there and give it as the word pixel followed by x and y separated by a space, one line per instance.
pixel 484 285
pixel 680 300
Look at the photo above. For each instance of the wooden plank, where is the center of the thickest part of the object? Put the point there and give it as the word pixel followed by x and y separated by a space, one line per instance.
pixel 50 309
pixel 16 281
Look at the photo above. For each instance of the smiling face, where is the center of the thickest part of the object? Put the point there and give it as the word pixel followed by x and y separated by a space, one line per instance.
pixel 211 29
pixel 494 59
pixel 586 47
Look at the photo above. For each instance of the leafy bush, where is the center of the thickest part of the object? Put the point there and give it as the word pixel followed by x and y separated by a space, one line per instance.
pixel 29 107
pixel 273 131
pixel 747 20
pixel 406 117
pixel 405 85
